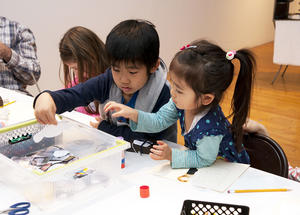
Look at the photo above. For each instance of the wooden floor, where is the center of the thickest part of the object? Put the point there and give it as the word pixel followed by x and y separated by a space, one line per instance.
pixel 276 106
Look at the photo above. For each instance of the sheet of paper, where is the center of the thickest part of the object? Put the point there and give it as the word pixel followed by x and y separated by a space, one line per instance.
pixel 218 176
pixel 164 170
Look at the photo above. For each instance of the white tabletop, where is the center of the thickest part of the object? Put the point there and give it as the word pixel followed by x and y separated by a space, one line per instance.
pixel 167 196
pixel 20 110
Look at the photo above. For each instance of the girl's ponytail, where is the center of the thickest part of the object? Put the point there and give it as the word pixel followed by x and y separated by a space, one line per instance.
pixel 240 103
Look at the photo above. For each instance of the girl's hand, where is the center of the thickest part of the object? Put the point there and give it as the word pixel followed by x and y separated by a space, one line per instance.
pixel 161 151
pixel 45 109
pixel 97 123
pixel 121 110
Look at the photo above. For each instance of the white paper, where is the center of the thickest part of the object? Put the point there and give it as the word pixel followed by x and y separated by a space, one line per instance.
pixel 164 170
pixel 218 176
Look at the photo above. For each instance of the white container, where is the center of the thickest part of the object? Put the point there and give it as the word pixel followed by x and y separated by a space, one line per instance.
pixel 98 156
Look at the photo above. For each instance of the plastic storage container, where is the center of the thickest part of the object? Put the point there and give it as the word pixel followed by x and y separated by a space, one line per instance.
pixel 75 159
pixel 212 208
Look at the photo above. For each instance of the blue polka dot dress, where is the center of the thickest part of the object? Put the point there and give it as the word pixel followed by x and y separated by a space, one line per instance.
pixel 214 123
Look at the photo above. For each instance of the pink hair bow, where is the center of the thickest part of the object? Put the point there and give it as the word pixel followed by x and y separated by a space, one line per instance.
pixel 230 54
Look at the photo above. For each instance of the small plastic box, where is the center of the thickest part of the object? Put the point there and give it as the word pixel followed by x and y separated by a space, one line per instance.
pixel 96 162
pixel 212 208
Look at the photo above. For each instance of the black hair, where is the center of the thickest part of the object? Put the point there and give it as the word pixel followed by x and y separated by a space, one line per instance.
pixel 133 41
pixel 205 68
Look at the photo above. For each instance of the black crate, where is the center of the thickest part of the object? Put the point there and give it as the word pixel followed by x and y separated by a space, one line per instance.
pixel 212 208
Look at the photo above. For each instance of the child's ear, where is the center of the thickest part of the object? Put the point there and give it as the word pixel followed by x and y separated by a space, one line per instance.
pixel 207 98
pixel 154 68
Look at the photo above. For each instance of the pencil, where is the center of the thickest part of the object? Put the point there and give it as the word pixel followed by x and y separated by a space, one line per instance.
pixel 258 190
pixel 8 103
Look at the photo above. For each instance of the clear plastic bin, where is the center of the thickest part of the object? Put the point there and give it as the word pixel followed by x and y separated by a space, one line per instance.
pixel 58 168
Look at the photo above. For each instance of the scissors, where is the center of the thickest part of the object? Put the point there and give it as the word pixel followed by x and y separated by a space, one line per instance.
pixel 190 172
pixel 18 208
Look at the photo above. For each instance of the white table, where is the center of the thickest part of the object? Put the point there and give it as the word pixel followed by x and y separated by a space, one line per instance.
pixel 19 111
pixel 167 196
pixel 286 44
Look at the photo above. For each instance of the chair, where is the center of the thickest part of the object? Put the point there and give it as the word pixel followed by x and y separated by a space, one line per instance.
pixel 266 154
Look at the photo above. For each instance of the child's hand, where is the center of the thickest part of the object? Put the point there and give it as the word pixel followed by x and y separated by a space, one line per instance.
pixel 97 123
pixel 45 109
pixel 121 111
pixel 161 151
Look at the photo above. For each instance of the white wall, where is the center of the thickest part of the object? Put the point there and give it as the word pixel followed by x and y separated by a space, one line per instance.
pixel 233 24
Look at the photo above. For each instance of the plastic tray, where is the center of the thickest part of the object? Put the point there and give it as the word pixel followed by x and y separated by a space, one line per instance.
pixel 96 166
pixel 212 208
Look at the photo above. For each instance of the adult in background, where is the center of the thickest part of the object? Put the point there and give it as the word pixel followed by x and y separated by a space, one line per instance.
pixel 19 65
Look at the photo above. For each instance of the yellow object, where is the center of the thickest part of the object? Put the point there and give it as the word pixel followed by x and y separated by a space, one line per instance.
pixel 8 103
pixel 184 178
pixel 17 126
pixel 259 190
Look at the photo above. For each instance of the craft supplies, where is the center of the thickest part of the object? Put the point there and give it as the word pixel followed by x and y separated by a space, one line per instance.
pixel 141 146
pixel 190 172
pixel 144 191
pixel 18 208
pixel 123 160
pixel 7 104
pixel 16 140
pixel 83 172
pixel 258 190
pixel 60 164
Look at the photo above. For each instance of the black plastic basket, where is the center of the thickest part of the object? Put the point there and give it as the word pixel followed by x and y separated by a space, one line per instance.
pixel 212 208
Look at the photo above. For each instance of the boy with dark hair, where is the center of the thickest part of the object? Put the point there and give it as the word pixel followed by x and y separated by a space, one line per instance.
pixel 137 78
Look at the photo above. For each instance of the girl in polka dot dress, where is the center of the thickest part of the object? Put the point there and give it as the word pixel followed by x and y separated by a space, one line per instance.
pixel 200 73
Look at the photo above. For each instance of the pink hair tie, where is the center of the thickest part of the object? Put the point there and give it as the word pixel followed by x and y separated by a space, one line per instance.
pixel 230 54
pixel 188 46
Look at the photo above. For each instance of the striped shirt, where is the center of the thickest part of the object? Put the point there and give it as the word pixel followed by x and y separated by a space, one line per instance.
pixel 18 72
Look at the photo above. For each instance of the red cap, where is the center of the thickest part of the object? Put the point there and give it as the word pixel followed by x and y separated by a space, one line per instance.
pixel 144 191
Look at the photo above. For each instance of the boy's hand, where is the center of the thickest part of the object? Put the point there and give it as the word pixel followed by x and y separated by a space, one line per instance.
pixel 45 109
pixel 97 123
pixel 121 111
pixel 161 151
